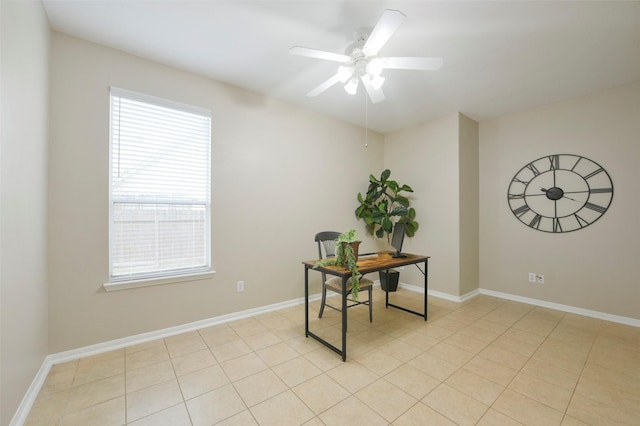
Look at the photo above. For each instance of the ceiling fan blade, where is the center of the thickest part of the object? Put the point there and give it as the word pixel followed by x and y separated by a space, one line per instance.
pixel 376 95
pixel 319 54
pixel 384 29
pixel 324 86
pixel 404 63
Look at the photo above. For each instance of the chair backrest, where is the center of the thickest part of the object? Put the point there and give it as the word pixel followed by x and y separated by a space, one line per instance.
pixel 327 239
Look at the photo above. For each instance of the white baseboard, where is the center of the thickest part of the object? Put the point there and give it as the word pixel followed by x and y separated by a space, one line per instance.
pixel 171 331
pixel 30 396
pixel 565 308
pixel 27 402
pixel 536 302
pixel 441 295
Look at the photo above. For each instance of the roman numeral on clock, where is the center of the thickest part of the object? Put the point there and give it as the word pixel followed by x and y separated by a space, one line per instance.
pixel 595 207
pixel 557 227
pixel 535 222
pixel 600 190
pixel 581 221
pixel 524 182
pixel 533 169
pixel 595 172
pixel 521 210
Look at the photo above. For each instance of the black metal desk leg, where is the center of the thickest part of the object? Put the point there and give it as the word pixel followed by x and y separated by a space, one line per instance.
pixel 344 318
pixel 426 286
pixel 386 296
pixel 306 301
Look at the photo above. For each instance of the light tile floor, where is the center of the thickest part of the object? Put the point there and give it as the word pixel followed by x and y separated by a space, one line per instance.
pixel 487 362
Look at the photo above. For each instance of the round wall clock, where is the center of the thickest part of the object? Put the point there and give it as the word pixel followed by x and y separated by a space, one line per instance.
pixel 560 193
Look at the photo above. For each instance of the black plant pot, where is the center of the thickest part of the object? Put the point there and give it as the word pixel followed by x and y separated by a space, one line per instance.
pixel 389 280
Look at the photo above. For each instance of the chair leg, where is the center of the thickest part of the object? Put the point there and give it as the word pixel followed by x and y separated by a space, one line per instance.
pixel 324 299
pixel 370 305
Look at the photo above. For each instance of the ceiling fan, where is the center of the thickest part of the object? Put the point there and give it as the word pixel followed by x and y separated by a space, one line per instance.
pixel 362 63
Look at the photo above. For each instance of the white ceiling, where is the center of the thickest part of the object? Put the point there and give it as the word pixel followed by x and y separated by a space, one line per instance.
pixel 499 56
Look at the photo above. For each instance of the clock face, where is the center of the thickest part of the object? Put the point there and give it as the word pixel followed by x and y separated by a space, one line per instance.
pixel 560 193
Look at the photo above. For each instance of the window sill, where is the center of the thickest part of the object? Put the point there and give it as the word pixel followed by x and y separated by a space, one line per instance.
pixel 126 285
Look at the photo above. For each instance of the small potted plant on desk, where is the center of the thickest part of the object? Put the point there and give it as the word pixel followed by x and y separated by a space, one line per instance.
pixel 381 208
pixel 347 246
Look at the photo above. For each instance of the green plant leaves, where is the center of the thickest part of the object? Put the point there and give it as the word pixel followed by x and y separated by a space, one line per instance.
pixel 384 205
pixel 399 211
pixel 402 200
pixel 387 225
pixel 411 229
pixel 347 237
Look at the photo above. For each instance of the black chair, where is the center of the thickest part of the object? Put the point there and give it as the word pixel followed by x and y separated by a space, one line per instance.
pixel 327 248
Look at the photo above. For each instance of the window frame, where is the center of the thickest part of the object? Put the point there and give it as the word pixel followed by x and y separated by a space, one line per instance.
pixel 143 279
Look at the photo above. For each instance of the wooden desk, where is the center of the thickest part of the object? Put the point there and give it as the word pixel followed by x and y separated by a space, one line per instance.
pixel 367 263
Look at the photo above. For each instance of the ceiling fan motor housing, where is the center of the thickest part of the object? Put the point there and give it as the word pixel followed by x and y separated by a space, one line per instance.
pixel 359 61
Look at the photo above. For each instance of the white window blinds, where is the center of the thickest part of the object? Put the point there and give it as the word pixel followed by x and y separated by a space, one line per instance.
pixel 160 192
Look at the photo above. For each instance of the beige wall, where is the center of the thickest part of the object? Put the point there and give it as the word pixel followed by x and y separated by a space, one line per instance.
pixel 426 158
pixel 439 160
pixel 23 212
pixel 280 174
pixel 593 268
pixel 469 205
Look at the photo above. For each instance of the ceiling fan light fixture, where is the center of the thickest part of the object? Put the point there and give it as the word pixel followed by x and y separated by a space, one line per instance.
pixel 376 82
pixel 352 86
pixel 344 73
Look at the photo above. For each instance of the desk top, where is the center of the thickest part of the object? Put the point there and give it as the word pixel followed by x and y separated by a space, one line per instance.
pixel 372 263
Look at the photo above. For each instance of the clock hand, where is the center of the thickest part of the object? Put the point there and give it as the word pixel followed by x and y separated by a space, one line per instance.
pixel 572 199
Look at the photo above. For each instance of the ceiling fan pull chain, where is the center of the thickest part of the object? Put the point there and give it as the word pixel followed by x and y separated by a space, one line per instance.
pixel 366 122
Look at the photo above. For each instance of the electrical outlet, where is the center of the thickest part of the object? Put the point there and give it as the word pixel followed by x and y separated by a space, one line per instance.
pixel 540 278
pixel 532 277
pixel 240 286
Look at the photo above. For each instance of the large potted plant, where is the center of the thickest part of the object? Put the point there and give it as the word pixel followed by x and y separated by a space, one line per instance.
pixel 381 208
pixel 347 245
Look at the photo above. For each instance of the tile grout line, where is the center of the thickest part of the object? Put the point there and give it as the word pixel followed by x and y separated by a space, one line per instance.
pixel 575 387
pixel 478 355
pixel 175 374
pixel 529 359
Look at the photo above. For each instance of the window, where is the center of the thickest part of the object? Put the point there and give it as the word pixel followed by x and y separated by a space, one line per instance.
pixel 159 194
